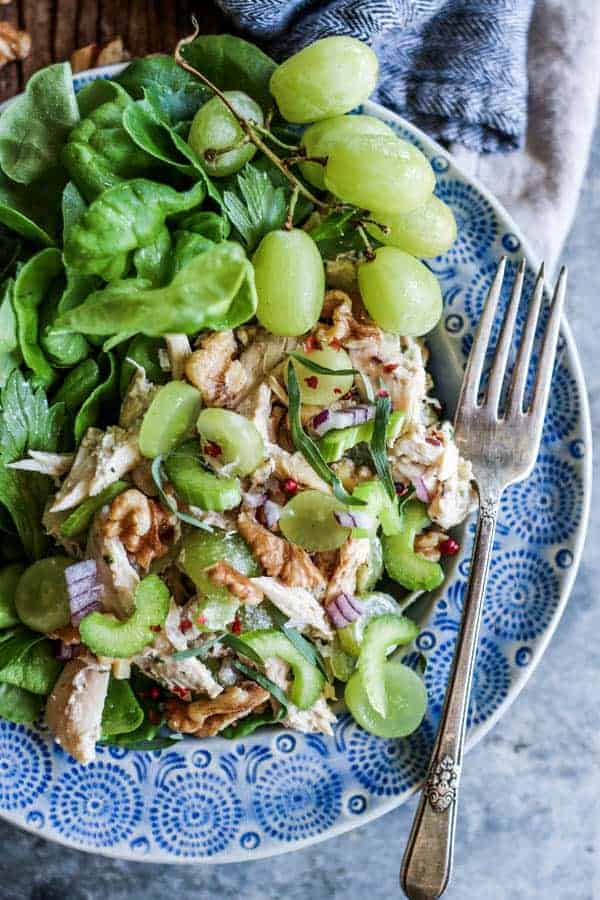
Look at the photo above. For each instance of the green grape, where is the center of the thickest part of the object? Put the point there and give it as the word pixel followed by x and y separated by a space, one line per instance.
pixel 321 390
pixel 308 520
pixel 406 701
pixel 290 282
pixel 319 138
pixel 325 79
pixel 214 127
pixel 169 418
pixel 426 231
pixel 41 598
pixel 400 293
pixel 379 172
pixel 241 447
pixel 199 551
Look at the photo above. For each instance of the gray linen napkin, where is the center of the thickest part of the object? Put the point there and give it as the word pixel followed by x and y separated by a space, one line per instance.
pixel 539 184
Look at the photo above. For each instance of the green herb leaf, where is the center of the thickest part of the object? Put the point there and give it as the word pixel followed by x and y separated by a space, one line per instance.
pixel 122 713
pixel 240 646
pixel 257 208
pixel 308 650
pixel 199 652
pixel 308 363
pixel 337 233
pixel 18 705
pixel 27 422
pixel 308 447
pixel 34 127
pixel 378 448
pixel 233 64
pixel 264 682
pixel 249 724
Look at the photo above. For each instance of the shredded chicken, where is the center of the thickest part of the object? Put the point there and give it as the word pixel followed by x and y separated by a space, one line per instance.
pixel 179 350
pixel 102 458
pixel 239 585
pixel 319 718
pixel 204 718
pixel 138 398
pixel 114 570
pixel 432 456
pixel 263 353
pixel 215 371
pixel 294 466
pixel 278 557
pixel 178 674
pixel 353 554
pixel 257 407
pixel 53 464
pixel 303 609
pixel 74 708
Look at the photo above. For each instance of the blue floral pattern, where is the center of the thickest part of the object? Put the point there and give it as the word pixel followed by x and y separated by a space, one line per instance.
pixel 99 805
pixel 239 800
pixel 297 797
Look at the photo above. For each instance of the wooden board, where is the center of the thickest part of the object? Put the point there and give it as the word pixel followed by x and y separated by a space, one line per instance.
pixel 58 27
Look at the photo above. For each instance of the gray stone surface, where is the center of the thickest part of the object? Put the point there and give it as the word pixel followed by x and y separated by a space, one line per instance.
pixel 529 821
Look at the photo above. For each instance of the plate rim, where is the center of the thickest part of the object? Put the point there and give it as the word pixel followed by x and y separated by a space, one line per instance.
pixel 477 732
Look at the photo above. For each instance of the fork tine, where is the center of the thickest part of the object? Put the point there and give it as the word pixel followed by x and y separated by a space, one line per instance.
pixel 472 376
pixel 543 376
pixel 516 391
pixel 505 340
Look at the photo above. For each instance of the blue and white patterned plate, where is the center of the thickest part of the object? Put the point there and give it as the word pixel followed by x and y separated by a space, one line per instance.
pixel 221 801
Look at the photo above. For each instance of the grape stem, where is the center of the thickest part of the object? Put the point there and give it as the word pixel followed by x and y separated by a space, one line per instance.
pixel 247 127
pixel 369 252
pixel 295 148
pixel 383 228
pixel 289 222
pixel 213 152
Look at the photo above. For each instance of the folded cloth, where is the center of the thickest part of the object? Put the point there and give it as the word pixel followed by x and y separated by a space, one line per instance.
pixel 539 184
pixel 482 75
pixel 456 68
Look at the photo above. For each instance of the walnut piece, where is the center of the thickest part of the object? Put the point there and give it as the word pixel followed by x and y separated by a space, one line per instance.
pixel 14 44
pixel 213 369
pixel 145 529
pixel 205 718
pixel 427 544
pixel 278 557
pixel 239 585
pixel 99 55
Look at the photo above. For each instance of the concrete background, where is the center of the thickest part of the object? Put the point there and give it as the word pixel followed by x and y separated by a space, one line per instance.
pixel 529 820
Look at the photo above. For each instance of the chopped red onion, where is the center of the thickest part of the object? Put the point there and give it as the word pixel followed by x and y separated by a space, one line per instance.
pixel 348 519
pixel 328 419
pixel 272 513
pixel 421 489
pixel 83 588
pixel 344 610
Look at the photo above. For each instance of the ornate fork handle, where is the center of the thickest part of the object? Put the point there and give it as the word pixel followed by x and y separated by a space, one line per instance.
pixel 428 857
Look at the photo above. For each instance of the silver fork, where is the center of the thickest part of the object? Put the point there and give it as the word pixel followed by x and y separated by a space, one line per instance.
pixel 502 443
